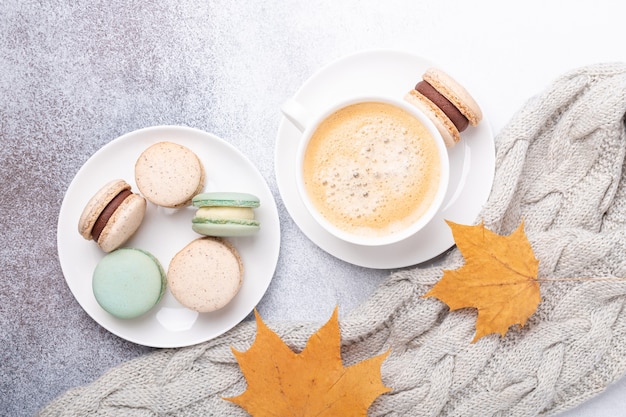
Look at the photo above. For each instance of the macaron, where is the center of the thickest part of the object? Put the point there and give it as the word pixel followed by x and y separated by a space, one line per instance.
pixel 225 214
pixel 169 174
pixel 128 282
pixel 447 103
pixel 112 215
pixel 206 274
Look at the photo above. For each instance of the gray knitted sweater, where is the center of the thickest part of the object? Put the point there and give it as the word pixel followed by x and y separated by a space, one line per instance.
pixel 559 166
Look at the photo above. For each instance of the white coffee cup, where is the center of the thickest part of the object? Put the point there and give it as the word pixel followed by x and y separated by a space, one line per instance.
pixel 369 172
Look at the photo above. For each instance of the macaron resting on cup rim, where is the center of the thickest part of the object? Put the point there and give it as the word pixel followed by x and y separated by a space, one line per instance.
pixel 447 103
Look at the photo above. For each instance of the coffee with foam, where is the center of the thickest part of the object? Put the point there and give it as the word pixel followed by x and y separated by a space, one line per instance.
pixel 372 169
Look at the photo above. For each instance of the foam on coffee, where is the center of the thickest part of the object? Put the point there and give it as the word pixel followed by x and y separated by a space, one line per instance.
pixel 372 169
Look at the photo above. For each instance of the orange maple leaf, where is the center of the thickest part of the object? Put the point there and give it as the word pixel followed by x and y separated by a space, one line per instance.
pixel 499 278
pixel 313 382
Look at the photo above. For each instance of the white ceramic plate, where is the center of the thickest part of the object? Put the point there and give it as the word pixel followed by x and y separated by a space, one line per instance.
pixel 166 231
pixel 472 161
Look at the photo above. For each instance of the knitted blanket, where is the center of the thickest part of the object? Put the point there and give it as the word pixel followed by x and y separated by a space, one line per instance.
pixel 559 167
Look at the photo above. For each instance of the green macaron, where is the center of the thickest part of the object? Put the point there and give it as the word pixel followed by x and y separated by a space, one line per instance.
pixel 128 282
pixel 224 214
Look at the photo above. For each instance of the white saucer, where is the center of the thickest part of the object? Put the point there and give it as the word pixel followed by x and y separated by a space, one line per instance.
pixel 472 161
pixel 164 232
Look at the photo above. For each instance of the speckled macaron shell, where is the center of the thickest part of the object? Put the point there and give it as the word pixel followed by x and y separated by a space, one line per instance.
pixel 455 93
pixel 442 122
pixel 206 274
pixel 169 174
pixel 128 282
pixel 124 221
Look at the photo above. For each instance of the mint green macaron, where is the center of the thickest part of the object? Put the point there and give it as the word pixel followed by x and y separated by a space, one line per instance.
pixel 225 214
pixel 128 282
pixel 226 199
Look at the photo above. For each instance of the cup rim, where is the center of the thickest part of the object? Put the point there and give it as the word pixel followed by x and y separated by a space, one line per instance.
pixel 390 238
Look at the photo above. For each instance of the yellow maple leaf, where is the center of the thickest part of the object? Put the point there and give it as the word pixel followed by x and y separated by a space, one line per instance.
pixel 313 382
pixel 499 278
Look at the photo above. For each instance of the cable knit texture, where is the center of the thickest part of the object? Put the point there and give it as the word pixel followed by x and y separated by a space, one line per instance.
pixel 559 167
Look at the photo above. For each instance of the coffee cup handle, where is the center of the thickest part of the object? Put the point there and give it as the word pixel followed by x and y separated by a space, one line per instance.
pixel 295 113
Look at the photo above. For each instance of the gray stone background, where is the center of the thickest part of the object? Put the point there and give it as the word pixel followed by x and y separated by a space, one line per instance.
pixel 76 75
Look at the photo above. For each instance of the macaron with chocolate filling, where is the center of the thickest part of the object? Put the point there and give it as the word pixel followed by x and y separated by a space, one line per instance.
pixel 112 215
pixel 447 103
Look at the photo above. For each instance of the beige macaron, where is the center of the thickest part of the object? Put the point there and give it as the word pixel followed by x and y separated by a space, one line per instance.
pixel 169 174
pixel 206 274
pixel 455 92
pixel 444 125
pixel 112 215
pixel 446 102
